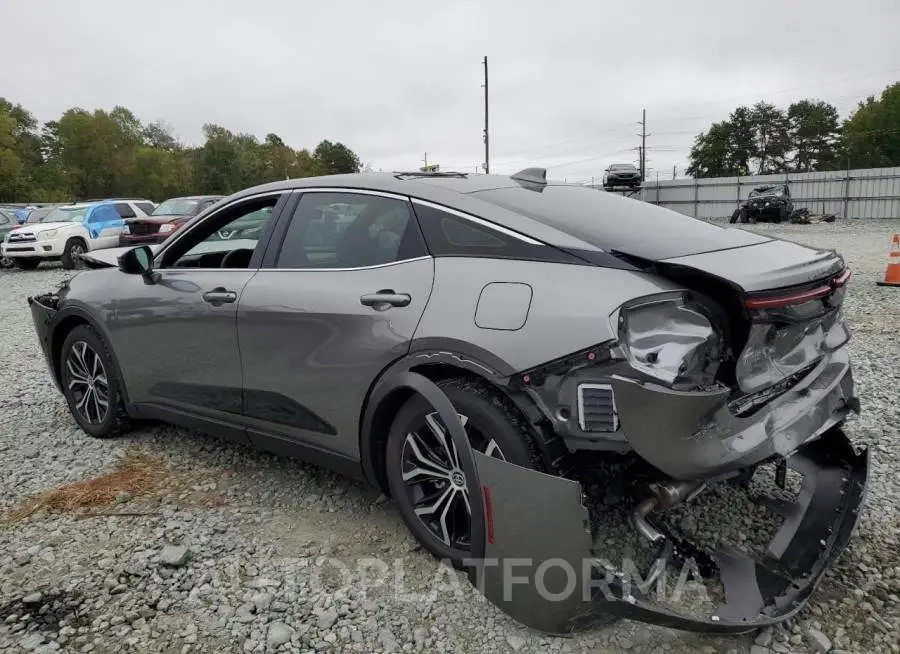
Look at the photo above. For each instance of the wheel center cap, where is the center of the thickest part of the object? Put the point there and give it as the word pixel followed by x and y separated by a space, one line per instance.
pixel 458 478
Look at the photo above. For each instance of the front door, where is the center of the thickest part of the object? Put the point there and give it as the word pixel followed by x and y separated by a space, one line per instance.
pixel 176 336
pixel 327 313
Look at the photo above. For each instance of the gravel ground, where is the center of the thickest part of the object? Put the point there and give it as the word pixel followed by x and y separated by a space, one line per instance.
pixel 236 550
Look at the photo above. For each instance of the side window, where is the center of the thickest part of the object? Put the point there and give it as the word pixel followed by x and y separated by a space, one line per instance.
pixel 146 207
pixel 224 239
pixel 349 230
pixel 124 210
pixel 4 219
pixel 450 235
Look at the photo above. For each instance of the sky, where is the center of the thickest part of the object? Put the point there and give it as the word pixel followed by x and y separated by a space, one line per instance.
pixel 394 80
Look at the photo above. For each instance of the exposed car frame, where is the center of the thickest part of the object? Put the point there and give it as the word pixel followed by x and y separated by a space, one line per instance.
pixel 570 333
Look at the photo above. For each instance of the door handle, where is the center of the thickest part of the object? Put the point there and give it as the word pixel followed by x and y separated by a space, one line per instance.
pixel 219 296
pixel 385 299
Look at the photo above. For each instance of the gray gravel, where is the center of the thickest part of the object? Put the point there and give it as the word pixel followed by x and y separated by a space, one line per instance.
pixel 238 551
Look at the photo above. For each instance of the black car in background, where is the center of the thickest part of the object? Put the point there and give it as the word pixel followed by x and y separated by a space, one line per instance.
pixel 165 219
pixel 770 203
pixel 623 175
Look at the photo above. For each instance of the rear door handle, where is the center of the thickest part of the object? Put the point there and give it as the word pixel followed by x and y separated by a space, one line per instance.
pixel 219 296
pixel 385 299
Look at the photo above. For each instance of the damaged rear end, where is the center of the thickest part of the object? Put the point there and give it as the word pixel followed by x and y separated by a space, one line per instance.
pixel 737 384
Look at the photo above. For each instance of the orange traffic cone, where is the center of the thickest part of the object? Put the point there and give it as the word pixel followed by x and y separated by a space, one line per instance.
pixel 892 274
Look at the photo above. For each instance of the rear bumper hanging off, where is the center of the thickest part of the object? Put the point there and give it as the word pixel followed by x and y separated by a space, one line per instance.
pixel 533 553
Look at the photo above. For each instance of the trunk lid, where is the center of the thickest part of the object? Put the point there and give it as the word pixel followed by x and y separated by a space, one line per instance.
pixel 764 266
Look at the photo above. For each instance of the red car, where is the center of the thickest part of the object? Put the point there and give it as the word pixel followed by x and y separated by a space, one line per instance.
pixel 165 219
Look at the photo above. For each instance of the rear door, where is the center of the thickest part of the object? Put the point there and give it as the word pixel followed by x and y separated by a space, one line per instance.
pixel 343 286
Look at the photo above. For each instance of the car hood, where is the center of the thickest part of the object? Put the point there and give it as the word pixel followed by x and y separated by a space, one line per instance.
pixel 109 257
pixel 36 228
pixel 160 219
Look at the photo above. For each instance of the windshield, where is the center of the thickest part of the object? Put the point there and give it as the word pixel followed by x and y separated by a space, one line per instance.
pixel 38 215
pixel 772 190
pixel 622 167
pixel 66 215
pixel 176 207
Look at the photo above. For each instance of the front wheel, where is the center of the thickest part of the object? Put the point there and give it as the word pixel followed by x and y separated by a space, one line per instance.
pixel 6 262
pixel 91 384
pixel 423 470
pixel 71 257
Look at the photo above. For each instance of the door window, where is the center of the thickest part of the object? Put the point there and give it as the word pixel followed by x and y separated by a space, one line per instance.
pixel 226 239
pixel 349 230
pixel 124 210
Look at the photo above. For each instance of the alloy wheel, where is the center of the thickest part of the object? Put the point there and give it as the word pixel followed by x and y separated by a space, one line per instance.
pixel 88 383
pixel 435 482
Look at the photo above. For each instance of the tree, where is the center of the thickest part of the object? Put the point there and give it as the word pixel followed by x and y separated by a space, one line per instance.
pixel 94 154
pixel 871 136
pixel 814 131
pixel 764 139
pixel 159 135
pixel 710 155
pixel 772 137
pixel 336 158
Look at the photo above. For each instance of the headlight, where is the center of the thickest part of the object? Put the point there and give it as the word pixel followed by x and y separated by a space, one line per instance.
pixel 670 337
pixel 767 204
pixel 50 233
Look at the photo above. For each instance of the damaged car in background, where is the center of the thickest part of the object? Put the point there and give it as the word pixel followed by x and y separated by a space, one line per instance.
pixel 769 203
pixel 532 371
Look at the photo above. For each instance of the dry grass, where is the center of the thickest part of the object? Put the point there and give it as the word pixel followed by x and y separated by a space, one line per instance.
pixel 136 473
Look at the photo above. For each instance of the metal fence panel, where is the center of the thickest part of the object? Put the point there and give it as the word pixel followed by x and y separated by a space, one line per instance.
pixel 861 193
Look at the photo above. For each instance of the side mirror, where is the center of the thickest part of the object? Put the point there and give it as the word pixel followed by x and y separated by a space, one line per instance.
pixel 137 261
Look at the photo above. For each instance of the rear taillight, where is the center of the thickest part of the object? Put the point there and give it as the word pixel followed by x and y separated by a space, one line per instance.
pixel 799 297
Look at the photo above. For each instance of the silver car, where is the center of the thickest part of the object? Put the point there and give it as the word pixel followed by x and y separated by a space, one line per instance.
pixel 565 326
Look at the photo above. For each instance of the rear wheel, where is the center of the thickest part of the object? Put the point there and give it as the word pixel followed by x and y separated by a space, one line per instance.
pixel 71 257
pixel 27 264
pixel 424 474
pixel 91 384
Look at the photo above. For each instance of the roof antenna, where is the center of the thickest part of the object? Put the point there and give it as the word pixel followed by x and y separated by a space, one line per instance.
pixel 531 175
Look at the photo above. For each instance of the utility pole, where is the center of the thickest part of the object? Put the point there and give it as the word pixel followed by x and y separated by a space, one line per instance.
pixel 643 143
pixel 426 161
pixel 674 170
pixel 487 138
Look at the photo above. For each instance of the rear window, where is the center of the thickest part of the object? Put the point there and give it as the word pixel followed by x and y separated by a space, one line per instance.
pixel 610 222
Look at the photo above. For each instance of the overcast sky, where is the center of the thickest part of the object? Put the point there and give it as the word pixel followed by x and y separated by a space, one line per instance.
pixel 395 79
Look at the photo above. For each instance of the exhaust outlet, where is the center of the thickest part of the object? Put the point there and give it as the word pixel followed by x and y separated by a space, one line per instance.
pixel 664 496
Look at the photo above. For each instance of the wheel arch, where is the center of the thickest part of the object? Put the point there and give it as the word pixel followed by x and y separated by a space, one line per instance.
pixel 389 393
pixel 64 322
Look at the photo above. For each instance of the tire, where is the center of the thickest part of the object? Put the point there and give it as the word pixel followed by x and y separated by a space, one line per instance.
pixel 27 264
pixel 74 247
pixel 6 262
pixel 736 216
pixel 78 364
pixel 490 420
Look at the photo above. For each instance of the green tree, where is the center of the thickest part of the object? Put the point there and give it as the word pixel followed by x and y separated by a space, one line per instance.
pixel 814 132
pixel 772 137
pixel 711 154
pixel 336 158
pixel 871 136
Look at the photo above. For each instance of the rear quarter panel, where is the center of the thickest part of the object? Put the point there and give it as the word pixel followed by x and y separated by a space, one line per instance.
pixel 569 307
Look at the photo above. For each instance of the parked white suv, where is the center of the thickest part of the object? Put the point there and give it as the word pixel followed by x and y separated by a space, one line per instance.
pixel 71 230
